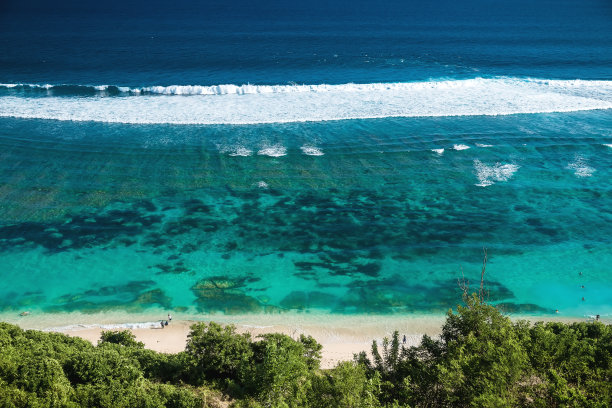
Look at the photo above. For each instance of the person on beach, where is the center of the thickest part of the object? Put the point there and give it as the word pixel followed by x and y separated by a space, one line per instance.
pixel 166 323
pixel 169 317
pixel 404 339
pixel 162 324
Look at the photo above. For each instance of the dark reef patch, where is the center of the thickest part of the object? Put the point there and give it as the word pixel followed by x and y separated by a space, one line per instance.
pixel 146 205
pixel 334 238
pixel 14 301
pixel 173 268
pixel 369 269
pixel 79 231
pixel 133 296
pixel 395 295
pixel 129 288
pixel 227 295
pixel 195 206
pixel 342 265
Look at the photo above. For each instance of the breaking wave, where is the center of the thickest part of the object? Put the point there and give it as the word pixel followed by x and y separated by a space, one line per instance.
pixel 581 167
pixel 488 175
pixel 311 151
pixel 460 147
pixel 273 151
pixel 250 104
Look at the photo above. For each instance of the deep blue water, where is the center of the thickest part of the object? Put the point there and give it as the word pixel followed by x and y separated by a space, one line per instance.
pixel 350 157
pixel 273 42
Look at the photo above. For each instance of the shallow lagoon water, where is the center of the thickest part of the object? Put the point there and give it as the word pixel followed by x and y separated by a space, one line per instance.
pixel 102 217
pixel 125 214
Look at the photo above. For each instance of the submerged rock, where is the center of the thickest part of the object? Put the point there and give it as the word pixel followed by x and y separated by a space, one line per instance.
pixel 224 294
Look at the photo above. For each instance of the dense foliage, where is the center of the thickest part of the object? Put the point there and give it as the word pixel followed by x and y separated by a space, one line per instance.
pixel 481 359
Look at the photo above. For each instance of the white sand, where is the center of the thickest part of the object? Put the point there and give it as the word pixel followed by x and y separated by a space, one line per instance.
pixel 340 338
pixel 341 335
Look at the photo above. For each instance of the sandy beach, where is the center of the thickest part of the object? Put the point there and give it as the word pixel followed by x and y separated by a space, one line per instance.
pixel 338 346
pixel 341 335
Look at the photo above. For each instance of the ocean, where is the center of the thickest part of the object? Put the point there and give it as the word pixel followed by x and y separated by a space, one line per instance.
pixel 326 158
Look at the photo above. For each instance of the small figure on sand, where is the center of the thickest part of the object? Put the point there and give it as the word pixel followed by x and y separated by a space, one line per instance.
pixel 169 317
pixel 24 313
pixel 404 340
pixel 162 324
pixel 165 323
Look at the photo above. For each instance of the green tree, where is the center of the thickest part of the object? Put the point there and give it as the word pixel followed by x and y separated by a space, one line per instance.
pixel 282 376
pixel 124 338
pixel 312 351
pixel 483 358
pixel 347 385
pixel 218 352
pixel 44 377
pixel 103 366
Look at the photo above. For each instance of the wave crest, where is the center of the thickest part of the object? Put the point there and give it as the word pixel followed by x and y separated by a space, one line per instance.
pixel 249 104
pixel 488 175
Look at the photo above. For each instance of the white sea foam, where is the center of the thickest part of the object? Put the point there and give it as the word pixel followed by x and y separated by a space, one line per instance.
pixel 488 175
pixel 581 167
pixel 262 184
pixel 241 151
pixel 311 151
pixel 460 147
pixel 483 145
pixel 273 151
pixel 137 325
pixel 440 152
pixel 608 145
pixel 248 104
pixel 253 326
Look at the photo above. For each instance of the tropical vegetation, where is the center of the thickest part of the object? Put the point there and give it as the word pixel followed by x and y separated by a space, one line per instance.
pixel 481 359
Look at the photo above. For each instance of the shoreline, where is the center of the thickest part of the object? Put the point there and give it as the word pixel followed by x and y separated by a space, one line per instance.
pixel 338 345
pixel 340 335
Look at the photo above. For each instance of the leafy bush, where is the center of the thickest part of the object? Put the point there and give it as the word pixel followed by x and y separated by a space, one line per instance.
pixel 347 385
pixel 124 338
pixel 218 352
pixel 481 359
pixel 53 370
pixel 282 375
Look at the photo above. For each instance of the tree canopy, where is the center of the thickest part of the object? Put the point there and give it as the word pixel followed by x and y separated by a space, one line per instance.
pixel 481 359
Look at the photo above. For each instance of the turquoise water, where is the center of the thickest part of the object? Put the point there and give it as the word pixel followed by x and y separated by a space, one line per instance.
pixel 325 157
pixel 375 219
